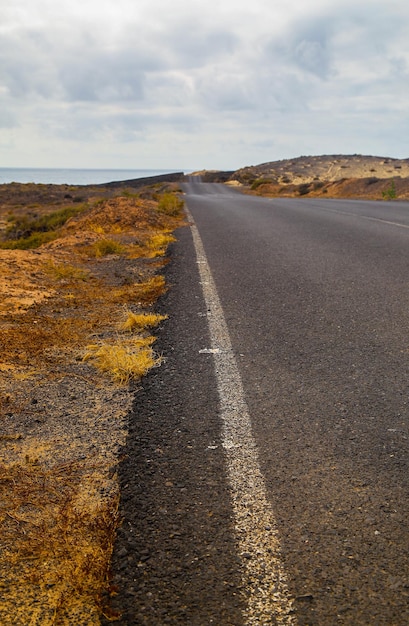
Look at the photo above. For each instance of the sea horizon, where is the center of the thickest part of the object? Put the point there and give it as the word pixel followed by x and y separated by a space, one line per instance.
pixel 75 176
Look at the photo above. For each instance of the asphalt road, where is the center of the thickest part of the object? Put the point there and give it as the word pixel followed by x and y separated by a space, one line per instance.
pixel 315 300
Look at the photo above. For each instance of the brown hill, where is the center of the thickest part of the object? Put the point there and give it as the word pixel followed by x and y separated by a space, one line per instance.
pixel 332 176
pixel 306 169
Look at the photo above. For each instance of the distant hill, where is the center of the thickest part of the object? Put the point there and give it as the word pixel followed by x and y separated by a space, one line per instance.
pixel 326 168
pixel 331 176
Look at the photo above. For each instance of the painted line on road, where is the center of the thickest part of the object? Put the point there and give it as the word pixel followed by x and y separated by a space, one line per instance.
pixel 378 219
pixel 263 577
pixel 364 217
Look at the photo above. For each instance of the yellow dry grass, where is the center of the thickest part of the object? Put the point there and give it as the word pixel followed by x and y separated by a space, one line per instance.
pixel 56 556
pixel 103 247
pixel 139 321
pixel 144 293
pixel 124 360
pixel 65 271
pixel 55 538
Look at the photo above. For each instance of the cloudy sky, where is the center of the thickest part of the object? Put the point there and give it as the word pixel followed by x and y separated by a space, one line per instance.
pixel 188 84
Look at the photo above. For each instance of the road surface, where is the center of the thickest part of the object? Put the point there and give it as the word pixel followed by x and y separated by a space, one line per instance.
pixel 266 480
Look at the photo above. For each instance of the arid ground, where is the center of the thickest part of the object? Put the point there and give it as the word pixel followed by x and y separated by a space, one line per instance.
pixel 333 176
pixel 75 318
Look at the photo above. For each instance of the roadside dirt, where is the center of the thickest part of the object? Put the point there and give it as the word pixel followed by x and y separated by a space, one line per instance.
pixel 63 422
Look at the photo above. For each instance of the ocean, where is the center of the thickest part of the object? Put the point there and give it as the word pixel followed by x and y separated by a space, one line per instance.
pixel 59 176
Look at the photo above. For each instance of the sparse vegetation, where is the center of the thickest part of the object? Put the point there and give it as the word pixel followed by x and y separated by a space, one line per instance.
pixel 390 192
pixel 103 247
pixel 148 292
pixel 140 321
pixel 24 232
pixel 30 242
pixel 170 204
pixel 286 176
pixel 124 360
pixel 260 181
pixel 59 554
pixel 64 271
pixel 158 243
pixel 62 301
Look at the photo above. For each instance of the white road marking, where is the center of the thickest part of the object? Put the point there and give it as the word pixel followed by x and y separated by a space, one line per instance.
pixel 263 577
pixel 364 217
pixel 210 351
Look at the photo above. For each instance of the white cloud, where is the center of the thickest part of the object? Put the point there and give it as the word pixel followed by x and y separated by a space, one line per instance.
pixel 193 84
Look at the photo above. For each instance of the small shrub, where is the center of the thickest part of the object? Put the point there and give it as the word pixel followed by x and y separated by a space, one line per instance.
pixel 127 193
pixel 103 247
pixel 304 189
pixel 170 204
pixel 97 228
pixel 390 192
pixel 260 181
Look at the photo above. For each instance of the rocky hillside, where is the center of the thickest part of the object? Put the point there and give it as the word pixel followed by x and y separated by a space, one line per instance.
pixel 333 176
pixel 328 168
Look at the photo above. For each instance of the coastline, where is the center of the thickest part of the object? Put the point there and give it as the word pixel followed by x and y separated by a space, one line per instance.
pixel 76 176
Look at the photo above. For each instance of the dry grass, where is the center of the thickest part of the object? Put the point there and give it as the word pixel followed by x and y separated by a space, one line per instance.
pixel 103 247
pixel 56 540
pixel 158 243
pixel 65 271
pixel 145 293
pixel 124 360
pixel 170 204
pixel 137 322
pixel 55 554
